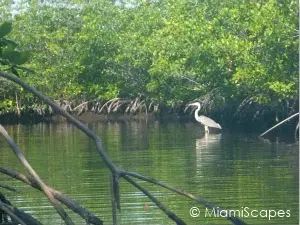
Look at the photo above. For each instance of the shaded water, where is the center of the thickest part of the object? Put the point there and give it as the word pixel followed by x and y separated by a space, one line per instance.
pixel 234 171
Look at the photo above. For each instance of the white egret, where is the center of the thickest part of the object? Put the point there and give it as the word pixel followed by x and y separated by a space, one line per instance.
pixel 207 122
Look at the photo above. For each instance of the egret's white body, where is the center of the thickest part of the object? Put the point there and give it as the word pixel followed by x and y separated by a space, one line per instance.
pixel 207 122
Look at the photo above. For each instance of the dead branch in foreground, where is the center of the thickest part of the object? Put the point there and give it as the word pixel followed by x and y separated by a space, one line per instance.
pixel 204 202
pixel 31 171
pixel 113 168
pixel 84 213
pixel 9 211
pixel 17 216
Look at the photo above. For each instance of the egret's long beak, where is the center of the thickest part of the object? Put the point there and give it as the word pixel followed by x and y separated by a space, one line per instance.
pixel 186 108
pixel 192 104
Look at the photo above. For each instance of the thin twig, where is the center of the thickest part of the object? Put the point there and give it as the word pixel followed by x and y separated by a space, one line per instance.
pixel 191 80
pixel 287 119
pixel 207 204
pixel 113 201
pixel 170 214
pixel 297 128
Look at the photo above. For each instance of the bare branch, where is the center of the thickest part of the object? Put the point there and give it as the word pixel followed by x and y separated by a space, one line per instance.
pixel 32 172
pixel 296 129
pixel 182 192
pixel 113 168
pixel 106 104
pixel 287 119
pixel 9 211
pixel 113 201
pixel 191 80
pixel 64 113
pixel 84 213
pixel 170 214
pixel 7 187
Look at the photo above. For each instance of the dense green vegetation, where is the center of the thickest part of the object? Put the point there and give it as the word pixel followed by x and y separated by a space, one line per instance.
pixel 239 58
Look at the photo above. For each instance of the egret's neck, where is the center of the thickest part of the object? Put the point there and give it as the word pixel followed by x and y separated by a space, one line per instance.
pixel 197 112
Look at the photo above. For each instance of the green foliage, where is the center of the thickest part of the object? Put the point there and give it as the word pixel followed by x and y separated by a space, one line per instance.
pixel 5 29
pixel 9 54
pixel 168 51
pixel 10 60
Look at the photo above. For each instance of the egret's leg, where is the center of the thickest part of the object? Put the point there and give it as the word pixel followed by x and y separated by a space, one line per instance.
pixel 206 129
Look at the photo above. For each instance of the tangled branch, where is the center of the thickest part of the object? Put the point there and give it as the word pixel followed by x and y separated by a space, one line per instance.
pixel 115 170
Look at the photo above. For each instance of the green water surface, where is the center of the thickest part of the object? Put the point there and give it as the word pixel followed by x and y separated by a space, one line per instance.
pixel 234 171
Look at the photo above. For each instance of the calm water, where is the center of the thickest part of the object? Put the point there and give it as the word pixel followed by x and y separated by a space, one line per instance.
pixel 233 171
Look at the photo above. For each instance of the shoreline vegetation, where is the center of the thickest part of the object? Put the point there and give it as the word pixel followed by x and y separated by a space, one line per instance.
pixel 113 60
pixel 112 112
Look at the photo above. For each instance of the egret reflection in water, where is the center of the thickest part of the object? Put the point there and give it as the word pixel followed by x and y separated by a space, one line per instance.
pixel 207 147
pixel 208 141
